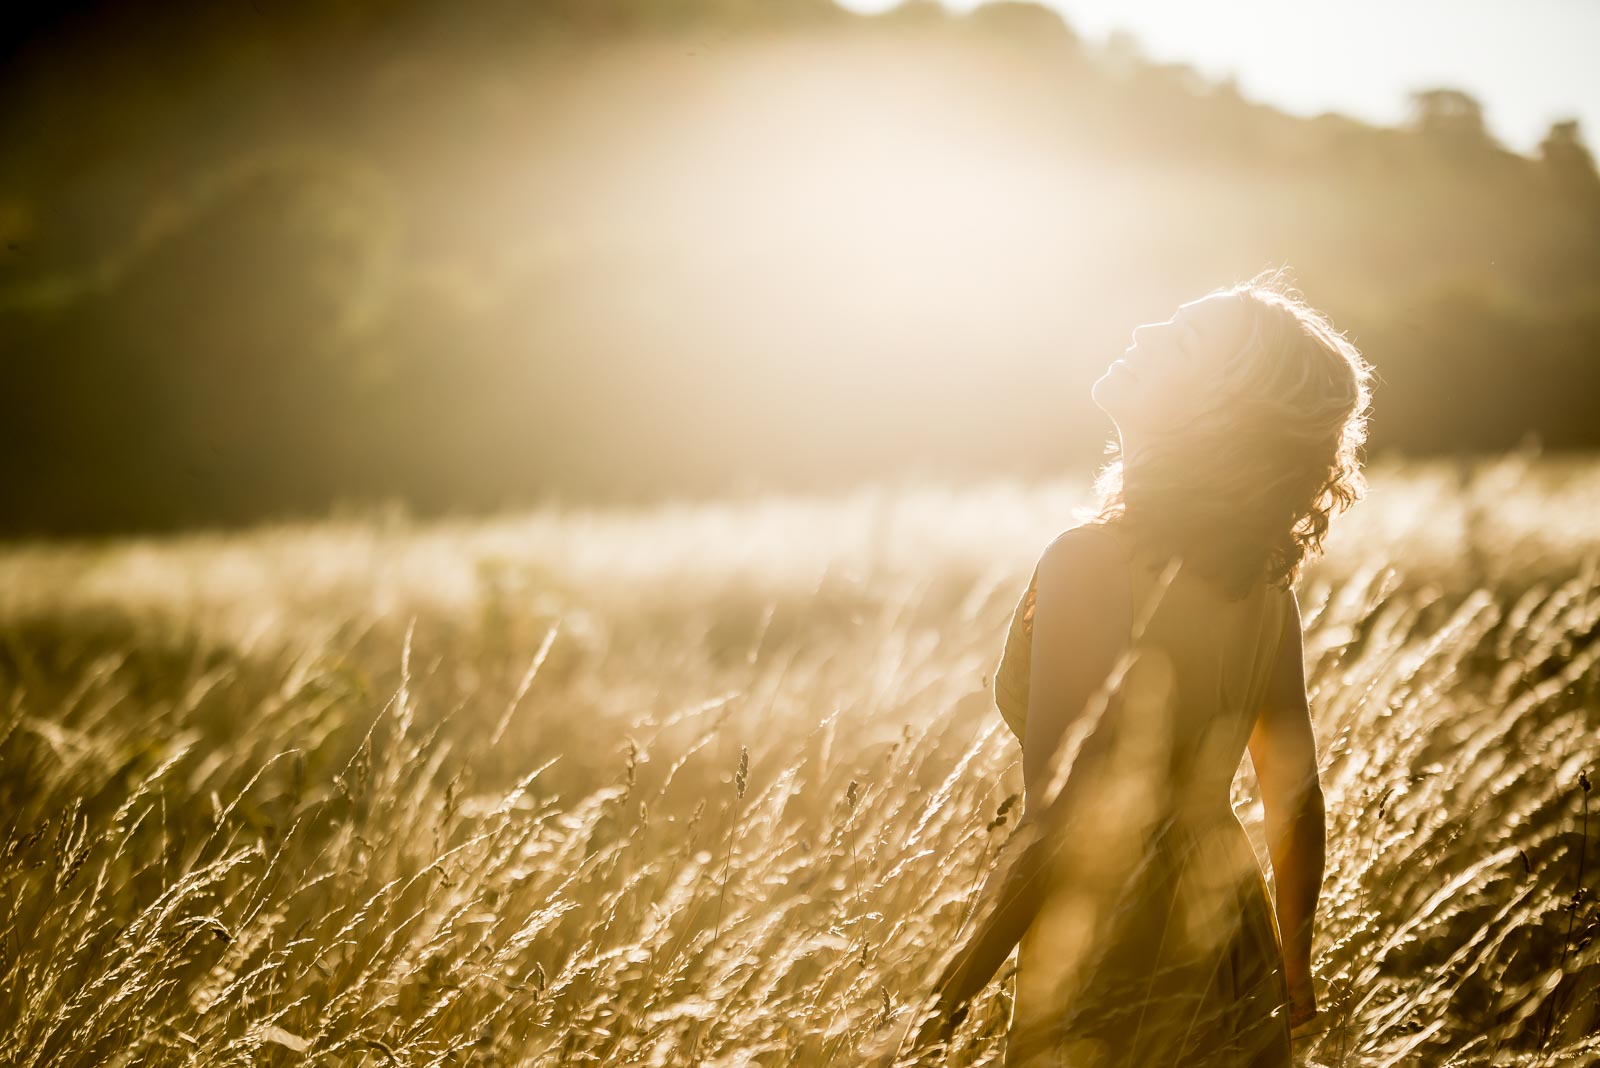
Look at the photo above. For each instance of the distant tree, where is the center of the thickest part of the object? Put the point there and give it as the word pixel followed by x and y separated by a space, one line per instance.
pixel 1566 158
pixel 916 11
pixel 1025 19
pixel 1450 118
pixel 1123 53
pixel 622 16
pixel 1179 77
pixel 1234 129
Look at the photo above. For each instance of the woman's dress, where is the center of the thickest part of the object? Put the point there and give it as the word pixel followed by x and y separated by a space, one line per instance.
pixel 1157 946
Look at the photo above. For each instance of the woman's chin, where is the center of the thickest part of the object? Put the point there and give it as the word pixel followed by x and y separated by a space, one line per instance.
pixel 1107 395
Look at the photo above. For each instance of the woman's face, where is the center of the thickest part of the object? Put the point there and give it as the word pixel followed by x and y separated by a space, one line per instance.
pixel 1162 379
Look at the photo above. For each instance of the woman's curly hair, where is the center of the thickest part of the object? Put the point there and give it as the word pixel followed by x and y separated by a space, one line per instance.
pixel 1246 490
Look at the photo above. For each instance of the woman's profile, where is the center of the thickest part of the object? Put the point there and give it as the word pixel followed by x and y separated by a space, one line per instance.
pixel 1156 643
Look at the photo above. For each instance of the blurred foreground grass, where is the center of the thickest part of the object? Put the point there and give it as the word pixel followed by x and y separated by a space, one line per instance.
pixel 376 792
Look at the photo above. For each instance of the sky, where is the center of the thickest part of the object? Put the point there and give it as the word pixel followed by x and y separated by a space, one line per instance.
pixel 1529 63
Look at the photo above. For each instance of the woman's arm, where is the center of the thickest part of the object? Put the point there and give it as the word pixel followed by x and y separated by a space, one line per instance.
pixel 1284 752
pixel 1080 625
pixel 1009 900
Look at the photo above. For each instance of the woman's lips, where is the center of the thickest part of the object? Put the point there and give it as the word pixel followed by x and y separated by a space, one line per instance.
pixel 1124 365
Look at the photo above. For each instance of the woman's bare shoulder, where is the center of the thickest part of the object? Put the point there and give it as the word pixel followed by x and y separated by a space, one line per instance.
pixel 1099 541
pixel 1084 554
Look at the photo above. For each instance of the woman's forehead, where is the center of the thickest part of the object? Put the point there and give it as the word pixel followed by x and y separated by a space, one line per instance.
pixel 1221 313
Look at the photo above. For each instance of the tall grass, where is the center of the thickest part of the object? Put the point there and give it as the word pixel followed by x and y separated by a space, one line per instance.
pixel 714 784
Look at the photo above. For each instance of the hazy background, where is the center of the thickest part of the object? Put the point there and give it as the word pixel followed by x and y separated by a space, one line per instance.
pixel 266 260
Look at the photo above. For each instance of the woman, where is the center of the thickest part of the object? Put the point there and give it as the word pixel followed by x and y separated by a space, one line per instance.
pixel 1154 644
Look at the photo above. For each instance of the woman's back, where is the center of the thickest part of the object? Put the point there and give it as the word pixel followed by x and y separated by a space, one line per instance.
pixel 1202 661
pixel 1160 946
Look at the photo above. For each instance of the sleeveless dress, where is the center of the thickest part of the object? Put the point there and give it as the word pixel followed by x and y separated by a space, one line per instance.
pixel 1157 946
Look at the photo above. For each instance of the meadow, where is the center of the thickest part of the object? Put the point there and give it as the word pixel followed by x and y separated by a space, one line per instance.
pixel 713 783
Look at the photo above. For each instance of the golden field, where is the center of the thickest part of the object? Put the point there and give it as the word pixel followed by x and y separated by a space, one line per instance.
pixel 713 783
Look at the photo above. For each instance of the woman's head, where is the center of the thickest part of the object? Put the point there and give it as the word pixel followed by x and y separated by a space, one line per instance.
pixel 1164 379
pixel 1241 418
